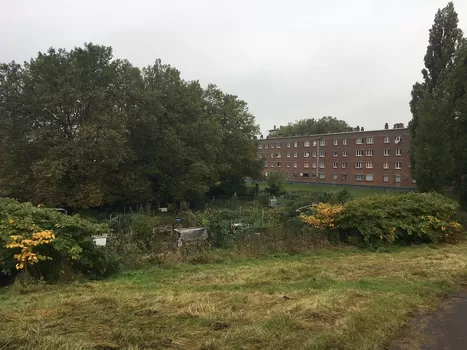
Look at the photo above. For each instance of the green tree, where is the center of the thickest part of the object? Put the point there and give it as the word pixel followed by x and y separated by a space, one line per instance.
pixel 312 126
pixel 430 106
pixel 276 183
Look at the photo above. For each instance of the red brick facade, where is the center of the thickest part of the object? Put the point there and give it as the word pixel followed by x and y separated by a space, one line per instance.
pixel 367 158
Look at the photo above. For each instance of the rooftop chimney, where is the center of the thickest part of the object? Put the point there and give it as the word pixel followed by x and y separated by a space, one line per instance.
pixel 386 126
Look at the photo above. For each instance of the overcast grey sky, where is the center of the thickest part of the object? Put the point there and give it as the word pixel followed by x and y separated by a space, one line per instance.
pixel 355 60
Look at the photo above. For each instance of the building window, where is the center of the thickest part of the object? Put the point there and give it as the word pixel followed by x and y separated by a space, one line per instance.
pixel 359 153
pixel 344 142
pixel 336 142
pixel 386 140
pixel 295 144
pixel 295 154
pixel 368 177
pixel 306 154
pixel 278 145
pixel 306 165
pixel 344 165
pixel 295 165
pixel 266 146
pixel 288 154
pixel 288 165
pixel 369 152
pixel 266 174
pixel 314 143
pixel 369 165
pixel 334 165
pixel 322 142
pixel 386 152
pixel 370 140
pixel 306 144
pixel 266 164
pixel 288 144
pixel 359 141
pixel 278 155
pixel 272 154
pixel 322 165
pixel 260 146
pixel 358 165
pixel 344 177
pixel 398 139
pixel 414 181
pixel 335 153
pixel 398 152
pixel 386 165
pixel 358 177
pixel 313 165
pixel 278 164
pixel 335 176
pixel 398 165
pixel 306 175
pixel 314 154
pixel 322 175
pixel 272 145
pixel 271 165
pixel 397 178
pixel 385 178
pixel 322 153
pixel 344 153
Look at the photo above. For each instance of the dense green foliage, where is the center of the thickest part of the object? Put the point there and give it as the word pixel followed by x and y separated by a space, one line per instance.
pixel 81 129
pixel 71 252
pixel 438 105
pixel 312 126
pixel 403 219
pixel 276 183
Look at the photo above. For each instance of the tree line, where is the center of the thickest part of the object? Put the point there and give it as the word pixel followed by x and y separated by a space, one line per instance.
pixel 439 109
pixel 311 126
pixel 82 129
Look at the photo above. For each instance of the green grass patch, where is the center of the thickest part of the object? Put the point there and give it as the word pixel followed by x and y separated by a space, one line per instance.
pixel 346 299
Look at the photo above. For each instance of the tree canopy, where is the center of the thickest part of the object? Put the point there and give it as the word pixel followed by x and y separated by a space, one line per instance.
pixel 82 129
pixel 439 114
pixel 312 126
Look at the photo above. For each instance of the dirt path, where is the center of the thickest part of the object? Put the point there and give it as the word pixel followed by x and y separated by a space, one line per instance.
pixel 443 329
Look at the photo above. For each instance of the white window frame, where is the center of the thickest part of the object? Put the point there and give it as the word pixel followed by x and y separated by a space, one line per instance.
pixel 344 153
pixel 322 165
pixel 370 153
pixel 272 145
pixel 398 165
pixel 335 176
pixel 335 165
pixel 359 141
pixel 398 139
pixel 359 153
pixel 295 165
pixel 314 143
pixel 335 154
pixel 397 176
pixel 266 146
pixel 295 154
pixel 336 142
pixel 295 144
pixel 344 142
pixel 313 165
pixel 360 177
pixel 386 165
pixel 306 154
pixel 278 145
pixel 288 154
pixel 314 154
pixel 370 140
pixel 322 142
pixel 368 165
pixel 344 165
pixel 385 177
pixel 306 144
pixel 306 165
pixel 398 152
pixel 322 154
pixel 386 152
pixel 386 139
pixel 260 146
pixel 366 177
pixel 288 144
pixel 358 165
pixel 322 176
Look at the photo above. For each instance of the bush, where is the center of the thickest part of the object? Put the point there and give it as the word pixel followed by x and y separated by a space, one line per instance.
pixel 276 183
pixel 400 219
pixel 48 244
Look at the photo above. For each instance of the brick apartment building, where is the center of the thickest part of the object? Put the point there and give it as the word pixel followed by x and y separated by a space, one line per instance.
pixel 367 158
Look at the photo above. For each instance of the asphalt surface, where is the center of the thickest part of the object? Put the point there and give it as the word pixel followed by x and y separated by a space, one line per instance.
pixel 443 329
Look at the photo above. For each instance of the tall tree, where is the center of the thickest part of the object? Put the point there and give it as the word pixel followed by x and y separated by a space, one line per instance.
pixel 444 41
pixel 312 126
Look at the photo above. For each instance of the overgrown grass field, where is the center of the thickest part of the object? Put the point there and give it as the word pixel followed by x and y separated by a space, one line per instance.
pixel 342 298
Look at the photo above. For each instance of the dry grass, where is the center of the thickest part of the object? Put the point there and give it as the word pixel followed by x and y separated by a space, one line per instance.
pixel 341 299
